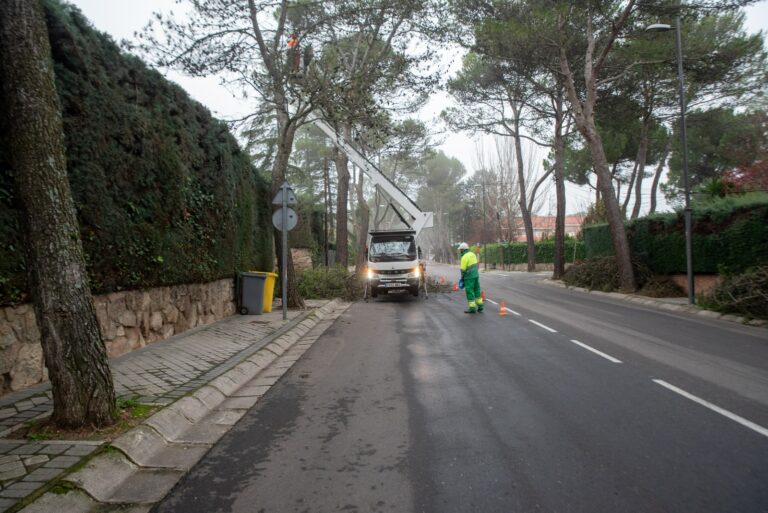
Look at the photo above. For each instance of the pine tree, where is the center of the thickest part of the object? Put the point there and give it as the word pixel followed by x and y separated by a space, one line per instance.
pixel 83 391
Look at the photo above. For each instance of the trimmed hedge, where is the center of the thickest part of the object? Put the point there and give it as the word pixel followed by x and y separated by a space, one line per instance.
pixel 507 253
pixel 164 195
pixel 728 237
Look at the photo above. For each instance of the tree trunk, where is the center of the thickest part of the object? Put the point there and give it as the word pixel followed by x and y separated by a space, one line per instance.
pixel 364 216
pixel 585 121
pixel 286 131
pixel 642 155
pixel 342 196
pixel 612 210
pixel 657 175
pixel 630 187
pixel 559 144
pixel 342 201
pixel 523 198
pixel 74 352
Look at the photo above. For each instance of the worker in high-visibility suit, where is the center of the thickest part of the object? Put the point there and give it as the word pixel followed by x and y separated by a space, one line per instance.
pixel 470 275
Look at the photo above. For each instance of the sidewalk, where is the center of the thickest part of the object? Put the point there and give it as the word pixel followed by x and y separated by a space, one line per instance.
pixel 197 376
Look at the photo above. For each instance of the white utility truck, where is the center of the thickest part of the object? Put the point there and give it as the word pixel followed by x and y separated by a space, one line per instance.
pixel 394 258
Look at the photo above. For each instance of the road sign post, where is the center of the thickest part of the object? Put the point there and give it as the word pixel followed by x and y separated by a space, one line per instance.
pixel 284 219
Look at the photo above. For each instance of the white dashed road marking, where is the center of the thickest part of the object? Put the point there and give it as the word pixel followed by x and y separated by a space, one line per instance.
pixel 540 325
pixel 599 353
pixel 741 420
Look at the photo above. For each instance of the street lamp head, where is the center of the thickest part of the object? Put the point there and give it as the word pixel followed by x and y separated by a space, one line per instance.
pixel 658 27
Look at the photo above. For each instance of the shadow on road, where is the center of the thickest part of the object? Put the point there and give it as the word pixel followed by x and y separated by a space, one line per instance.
pixel 396 297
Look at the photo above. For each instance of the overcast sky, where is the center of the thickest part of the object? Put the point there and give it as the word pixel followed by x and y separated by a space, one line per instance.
pixel 121 19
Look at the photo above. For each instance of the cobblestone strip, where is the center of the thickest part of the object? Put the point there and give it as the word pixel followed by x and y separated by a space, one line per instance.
pixel 24 467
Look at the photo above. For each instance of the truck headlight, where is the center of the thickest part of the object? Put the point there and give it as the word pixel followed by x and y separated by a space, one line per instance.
pixel 370 274
pixel 417 272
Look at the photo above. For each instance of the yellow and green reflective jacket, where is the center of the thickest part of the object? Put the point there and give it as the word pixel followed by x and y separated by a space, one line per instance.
pixel 469 265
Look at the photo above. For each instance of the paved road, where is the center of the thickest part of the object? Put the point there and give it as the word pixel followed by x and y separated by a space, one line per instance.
pixel 409 405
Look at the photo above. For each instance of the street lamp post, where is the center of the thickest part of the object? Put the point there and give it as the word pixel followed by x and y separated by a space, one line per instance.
pixel 485 229
pixel 663 27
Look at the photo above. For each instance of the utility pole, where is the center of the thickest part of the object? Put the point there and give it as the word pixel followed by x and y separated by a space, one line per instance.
pixel 687 213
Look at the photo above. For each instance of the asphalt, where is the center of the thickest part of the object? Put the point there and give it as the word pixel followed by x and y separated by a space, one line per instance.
pixel 409 405
pixel 202 380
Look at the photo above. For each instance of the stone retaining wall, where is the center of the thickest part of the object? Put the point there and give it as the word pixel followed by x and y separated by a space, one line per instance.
pixel 129 320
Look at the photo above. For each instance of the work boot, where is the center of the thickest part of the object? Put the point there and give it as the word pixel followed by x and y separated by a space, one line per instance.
pixel 480 309
pixel 470 311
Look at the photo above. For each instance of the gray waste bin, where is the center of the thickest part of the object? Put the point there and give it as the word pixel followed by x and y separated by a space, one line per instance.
pixel 250 293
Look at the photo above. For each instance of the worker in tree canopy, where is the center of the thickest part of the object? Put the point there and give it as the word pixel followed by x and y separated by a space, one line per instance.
pixel 294 56
pixel 470 275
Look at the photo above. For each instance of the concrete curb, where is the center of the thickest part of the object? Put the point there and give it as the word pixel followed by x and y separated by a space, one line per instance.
pixel 140 467
pixel 665 305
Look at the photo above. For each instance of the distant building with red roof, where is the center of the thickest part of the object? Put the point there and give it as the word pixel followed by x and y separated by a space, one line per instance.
pixel 544 227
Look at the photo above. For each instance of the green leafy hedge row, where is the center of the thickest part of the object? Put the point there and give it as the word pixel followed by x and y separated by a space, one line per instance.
pixel 728 237
pixel 164 194
pixel 505 253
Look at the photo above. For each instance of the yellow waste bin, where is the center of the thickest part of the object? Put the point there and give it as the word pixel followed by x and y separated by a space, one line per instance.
pixel 269 289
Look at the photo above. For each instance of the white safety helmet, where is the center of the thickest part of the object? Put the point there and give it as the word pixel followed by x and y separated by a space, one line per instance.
pixel 463 246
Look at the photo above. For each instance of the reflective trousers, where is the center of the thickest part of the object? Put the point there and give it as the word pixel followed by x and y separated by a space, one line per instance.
pixel 474 296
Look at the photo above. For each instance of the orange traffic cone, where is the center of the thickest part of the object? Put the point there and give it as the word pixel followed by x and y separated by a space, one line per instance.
pixel 455 287
pixel 482 295
pixel 503 310
pixel 442 280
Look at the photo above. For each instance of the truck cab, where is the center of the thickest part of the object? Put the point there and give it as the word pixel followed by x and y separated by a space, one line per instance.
pixel 394 262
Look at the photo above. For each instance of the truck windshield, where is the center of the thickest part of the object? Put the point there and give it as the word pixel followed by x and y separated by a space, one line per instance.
pixel 392 250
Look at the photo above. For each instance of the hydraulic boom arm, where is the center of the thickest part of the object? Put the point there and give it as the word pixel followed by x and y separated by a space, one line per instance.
pixel 421 219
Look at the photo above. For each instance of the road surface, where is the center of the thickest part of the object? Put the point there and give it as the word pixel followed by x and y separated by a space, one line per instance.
pixel 572 402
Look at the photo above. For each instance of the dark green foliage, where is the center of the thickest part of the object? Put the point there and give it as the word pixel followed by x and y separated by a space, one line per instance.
pixel 728 236
pixel 602 273
pixel 506 253
pixel 597 240
pixel 163 192
pixel 744 294
pixel 718 140
pixel 308 232
pixel 329 283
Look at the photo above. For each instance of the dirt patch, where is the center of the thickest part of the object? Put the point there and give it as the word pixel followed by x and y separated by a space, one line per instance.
pixel 702 283
pixel 661 287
